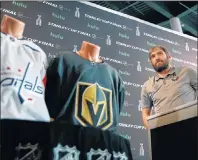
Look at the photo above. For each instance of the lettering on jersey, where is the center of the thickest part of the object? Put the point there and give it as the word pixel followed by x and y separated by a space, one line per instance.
pixel 119 156
pixel 93 106
pixel 98 154
pixel 23 84
pixel 28 151
pixel 66 153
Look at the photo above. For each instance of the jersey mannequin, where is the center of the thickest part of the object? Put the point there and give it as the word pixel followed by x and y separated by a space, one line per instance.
pixel 24 97
pixel 12 26
pixel 85 95
pixel 90 51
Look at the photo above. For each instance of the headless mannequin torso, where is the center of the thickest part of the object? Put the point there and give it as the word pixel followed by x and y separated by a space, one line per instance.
pixel 90 52
pixel 23 65
pixel 12 26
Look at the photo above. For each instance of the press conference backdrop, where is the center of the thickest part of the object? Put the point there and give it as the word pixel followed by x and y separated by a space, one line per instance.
pixel 62 26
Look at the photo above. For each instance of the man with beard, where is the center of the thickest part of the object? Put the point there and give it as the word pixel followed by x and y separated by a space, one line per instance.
pixel 170 87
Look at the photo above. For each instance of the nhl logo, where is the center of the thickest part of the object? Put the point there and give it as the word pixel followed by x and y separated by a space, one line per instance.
pixel 66 153
pixel 28 152
pixel 119 156
pixel 98 154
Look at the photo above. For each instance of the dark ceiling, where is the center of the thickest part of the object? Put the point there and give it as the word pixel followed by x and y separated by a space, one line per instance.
pixel 159 12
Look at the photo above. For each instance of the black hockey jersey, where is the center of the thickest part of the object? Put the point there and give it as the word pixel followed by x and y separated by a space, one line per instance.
pixel 84 93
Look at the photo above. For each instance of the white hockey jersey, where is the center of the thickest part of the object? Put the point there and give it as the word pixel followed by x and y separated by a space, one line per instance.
pixel 23 72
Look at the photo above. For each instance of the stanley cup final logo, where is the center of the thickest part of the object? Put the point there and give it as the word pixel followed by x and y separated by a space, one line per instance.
pixel 108 40
pixel 140 105
pixel 187 47
pixel 39 21
pixel 77 13
pixel 139 68
pixel 141 149
pixel 75 48
pixel 93 105
pixel 137 31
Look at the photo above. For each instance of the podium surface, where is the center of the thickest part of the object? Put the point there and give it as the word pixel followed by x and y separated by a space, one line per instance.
pixel 173 135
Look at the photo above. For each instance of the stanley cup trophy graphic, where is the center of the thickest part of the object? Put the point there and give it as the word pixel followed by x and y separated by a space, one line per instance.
pixel 141 149
pixel 75 48
pixel 140 105
pixel 137 31
pixel 77 13
pixel 108 40
pixel 139 68
pixel 38 21
pixel 187 47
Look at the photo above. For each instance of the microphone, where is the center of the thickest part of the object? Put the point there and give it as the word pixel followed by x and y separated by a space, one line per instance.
pixel 175 79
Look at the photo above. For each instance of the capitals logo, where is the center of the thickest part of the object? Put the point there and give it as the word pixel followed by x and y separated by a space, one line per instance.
pixel 93 105
pixel 23 81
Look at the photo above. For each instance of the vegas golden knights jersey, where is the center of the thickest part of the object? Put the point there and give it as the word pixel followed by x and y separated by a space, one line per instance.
pixel 84 93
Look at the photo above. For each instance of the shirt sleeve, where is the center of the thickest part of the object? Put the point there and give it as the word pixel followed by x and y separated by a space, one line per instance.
pixel 193 79
pixel 121 95
pixel 53 88
pixel 145 98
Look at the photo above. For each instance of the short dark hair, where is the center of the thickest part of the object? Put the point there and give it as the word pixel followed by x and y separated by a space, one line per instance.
pixel 158 47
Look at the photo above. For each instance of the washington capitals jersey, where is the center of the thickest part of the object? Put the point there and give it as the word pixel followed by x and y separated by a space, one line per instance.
pixel 84 93
pixel 23 74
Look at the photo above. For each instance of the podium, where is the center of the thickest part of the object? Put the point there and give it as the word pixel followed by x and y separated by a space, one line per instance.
pixel 173 135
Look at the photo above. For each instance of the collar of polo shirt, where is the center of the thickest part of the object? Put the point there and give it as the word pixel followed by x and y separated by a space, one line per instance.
pixel 171 72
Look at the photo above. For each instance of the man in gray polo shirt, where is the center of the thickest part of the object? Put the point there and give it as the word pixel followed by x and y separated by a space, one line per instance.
pixel 170 87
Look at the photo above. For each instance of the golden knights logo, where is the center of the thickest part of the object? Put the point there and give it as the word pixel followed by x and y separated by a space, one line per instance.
pixel 93 106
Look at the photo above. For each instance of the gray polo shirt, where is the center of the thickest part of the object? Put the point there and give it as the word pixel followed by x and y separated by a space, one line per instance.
pixel 177 88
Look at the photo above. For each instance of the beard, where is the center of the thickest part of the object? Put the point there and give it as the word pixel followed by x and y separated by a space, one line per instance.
pixel 162 67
